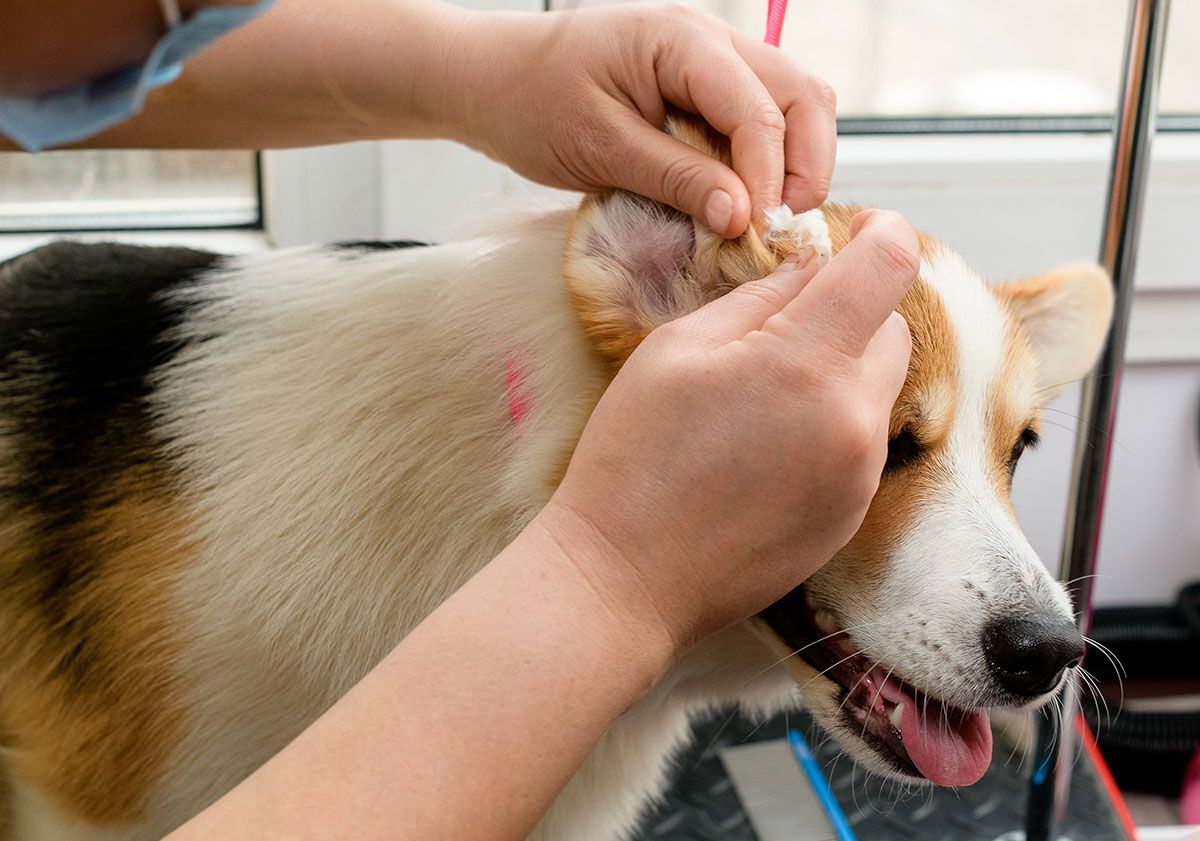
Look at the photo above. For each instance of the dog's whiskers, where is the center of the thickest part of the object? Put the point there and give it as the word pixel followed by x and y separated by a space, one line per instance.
pixel 1098 699
pixel 1084 578
pixel 1105 433
pixel 871 706
pixel 857 683
pixel 1108 652
pixel 757 727
pixel 825 671
pixel 799 651
pixel 729 718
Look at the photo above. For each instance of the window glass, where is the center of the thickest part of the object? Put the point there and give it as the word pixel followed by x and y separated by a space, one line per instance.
pixel 931 58
pixel 81 190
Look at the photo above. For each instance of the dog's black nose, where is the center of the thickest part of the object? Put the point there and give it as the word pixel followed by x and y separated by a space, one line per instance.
pixel 1028 654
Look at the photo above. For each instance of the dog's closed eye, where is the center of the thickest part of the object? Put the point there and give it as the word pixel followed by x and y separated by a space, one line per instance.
pixel 903 449
pixel 1028 438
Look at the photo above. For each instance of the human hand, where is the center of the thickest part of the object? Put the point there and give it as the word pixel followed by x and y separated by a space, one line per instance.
pixel 739 447
pixel 577 100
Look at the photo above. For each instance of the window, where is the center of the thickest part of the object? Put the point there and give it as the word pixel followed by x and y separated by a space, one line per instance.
pixel 922 64
pixel 109 190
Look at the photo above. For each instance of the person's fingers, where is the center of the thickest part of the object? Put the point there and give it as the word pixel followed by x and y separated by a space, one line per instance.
pixel 719 86
pixel 662 168
pixel 887 355
pixel 863 284
pixel 746 308
pixel 809 108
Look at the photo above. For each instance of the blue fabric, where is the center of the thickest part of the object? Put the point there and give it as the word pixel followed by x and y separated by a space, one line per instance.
pixel 75 113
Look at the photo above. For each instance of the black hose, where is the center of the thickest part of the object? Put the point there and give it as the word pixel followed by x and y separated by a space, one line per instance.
pixel 1152 644
pixel 1156 732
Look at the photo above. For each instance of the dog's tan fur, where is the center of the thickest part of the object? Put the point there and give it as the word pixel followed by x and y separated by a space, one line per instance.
pixel 93 727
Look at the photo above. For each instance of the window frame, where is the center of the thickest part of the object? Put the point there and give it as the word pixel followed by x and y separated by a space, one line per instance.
pixel 1003 124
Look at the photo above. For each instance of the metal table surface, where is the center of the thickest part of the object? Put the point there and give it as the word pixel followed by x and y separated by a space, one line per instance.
pixel 703 806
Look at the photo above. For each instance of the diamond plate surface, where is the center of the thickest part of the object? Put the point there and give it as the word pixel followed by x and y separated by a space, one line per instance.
pixel 701 805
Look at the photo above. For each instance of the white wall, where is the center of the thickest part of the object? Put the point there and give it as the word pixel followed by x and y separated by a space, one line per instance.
pixel 1150 542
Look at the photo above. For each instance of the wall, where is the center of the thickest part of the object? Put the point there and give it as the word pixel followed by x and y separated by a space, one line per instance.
pixel 1150 542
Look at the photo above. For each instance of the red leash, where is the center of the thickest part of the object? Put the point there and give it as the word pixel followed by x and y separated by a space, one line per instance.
pixel 776 9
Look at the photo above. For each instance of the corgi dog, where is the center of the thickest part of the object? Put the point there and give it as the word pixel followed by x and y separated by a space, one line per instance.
pixel 230 485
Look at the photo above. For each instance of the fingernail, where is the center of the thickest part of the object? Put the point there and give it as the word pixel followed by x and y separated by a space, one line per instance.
pixel 718 211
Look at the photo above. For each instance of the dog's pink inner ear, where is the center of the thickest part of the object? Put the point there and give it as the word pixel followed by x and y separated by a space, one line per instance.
pixel 653 258
pixel 646 247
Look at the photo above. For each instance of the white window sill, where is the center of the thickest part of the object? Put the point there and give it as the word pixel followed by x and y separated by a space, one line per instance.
pixel 222 242
pixel 195 212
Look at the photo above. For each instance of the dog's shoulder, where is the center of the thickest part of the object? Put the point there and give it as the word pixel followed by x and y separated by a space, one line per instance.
pixel 82 328
pixel 72 274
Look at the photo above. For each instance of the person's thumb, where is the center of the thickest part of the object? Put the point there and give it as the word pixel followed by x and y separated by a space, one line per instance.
pixel 658 166
pixel 746 308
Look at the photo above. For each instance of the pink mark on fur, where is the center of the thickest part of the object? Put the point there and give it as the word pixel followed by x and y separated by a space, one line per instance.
pixel 519 403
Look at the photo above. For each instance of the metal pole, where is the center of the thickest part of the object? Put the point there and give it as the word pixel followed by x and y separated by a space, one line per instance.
pixel 1132 136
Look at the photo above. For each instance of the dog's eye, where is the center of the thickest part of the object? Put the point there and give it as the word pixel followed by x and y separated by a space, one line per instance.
pixel 1028 438
pixel 903 449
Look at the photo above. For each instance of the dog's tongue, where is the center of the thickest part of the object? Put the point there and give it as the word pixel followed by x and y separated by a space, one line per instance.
pixel 950 747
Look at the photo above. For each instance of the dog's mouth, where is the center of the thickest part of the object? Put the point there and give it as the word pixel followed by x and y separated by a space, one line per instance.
pixel 913 732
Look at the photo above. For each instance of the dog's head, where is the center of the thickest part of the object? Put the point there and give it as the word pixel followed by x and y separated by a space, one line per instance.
pixel 938 608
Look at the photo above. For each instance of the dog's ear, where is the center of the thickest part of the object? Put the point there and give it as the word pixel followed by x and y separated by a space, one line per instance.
pixel 632 264
pixel 1065 315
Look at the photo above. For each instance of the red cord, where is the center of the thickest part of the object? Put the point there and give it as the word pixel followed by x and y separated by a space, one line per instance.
pixel 776 9
pixel 1105 775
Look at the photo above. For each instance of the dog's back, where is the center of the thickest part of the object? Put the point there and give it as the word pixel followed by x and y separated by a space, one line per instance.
pixel 229 486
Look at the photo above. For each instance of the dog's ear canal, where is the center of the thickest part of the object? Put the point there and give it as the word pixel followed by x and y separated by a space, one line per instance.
pixel 1065 316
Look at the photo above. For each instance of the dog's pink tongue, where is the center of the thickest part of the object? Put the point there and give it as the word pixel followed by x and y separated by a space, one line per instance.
pixel 950 747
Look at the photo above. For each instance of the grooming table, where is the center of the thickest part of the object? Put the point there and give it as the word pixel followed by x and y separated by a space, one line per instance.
pixel 704 805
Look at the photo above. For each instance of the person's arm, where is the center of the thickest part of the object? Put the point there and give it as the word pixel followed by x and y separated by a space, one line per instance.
pixel 473 724
pixel 735 452
pixel 45 46
pixel 571 99
pixel 307 73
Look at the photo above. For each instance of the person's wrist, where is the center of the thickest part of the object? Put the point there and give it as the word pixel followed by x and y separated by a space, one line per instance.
pixel 424 91
pixel 447 95
pixel 616 594
pixel 476 72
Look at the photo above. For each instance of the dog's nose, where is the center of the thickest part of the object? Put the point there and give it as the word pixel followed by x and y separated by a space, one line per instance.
pixel 1028 654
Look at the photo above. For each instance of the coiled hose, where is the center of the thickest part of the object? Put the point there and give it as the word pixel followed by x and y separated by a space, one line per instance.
pixel 1159 647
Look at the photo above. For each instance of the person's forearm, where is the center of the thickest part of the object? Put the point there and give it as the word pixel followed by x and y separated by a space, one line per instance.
pixel 310 72
pixel 473 724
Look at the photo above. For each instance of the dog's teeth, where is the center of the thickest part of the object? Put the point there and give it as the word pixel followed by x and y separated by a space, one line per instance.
pixel 825 621
pixel 896 715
